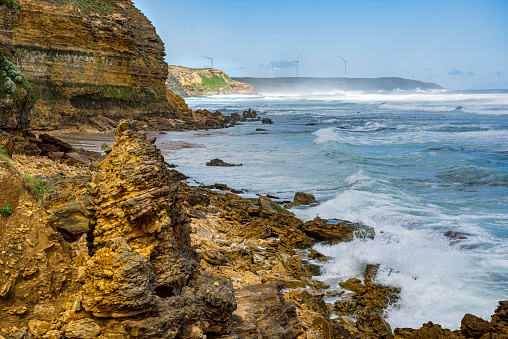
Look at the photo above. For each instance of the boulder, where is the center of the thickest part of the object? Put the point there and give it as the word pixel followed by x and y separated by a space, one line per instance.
pixel 335 232
pixel 82 329
pixel 374 326
pixel 48 143
pixel 119 282
pixel 302 198
pixel 267 121
pixel 473 327
pixel 263 313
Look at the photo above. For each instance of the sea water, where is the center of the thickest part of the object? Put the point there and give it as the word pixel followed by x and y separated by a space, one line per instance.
pixel 412 165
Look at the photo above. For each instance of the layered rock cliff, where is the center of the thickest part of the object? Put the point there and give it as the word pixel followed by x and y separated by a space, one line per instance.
pixel 189 82
pixel 14 97
pixel 85 58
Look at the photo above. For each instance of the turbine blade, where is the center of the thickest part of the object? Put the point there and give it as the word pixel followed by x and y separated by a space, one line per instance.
pixel 216 54
pixel 342 58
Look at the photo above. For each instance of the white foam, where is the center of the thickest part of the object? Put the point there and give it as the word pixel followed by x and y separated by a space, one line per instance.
pixel 325 134
pixel 438 281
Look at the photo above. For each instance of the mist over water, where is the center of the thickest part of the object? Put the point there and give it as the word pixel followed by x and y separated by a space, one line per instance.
pixel 412 165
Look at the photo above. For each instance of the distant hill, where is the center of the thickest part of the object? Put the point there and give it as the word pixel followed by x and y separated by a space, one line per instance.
pixel 305 85
pixel 189 82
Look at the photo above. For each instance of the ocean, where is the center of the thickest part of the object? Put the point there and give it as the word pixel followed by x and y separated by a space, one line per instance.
pixel 427 170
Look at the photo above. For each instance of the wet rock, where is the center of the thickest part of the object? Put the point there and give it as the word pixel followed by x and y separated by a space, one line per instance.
pixel 267 121
pixel 261 129
pixel 249 114
pixel 272 206
pixel 473 326
pixel 428 330
pixel 82 329
pixel 47 143
pixel 313 254
pixel 455 235
pixel 221 163
pixel 335 232
pixel 300 199
pixel 368 296
pixel 306 301
pixel 499 320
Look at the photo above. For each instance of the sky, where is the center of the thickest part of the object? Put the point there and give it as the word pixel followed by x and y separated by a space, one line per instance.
pixel 458 44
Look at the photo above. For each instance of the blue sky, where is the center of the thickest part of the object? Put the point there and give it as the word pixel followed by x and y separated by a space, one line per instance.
pixel 457 44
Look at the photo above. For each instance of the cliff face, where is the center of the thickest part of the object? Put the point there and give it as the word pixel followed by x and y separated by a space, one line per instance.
pixel 14 103
pixel 199 82
pixel 85 58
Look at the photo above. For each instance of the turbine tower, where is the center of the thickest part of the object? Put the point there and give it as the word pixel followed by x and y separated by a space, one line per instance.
pixel 345 65
pixel 270 72
pixel 211 58
pixel 297 62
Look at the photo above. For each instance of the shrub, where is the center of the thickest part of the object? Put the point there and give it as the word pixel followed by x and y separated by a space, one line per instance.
pixel 37 185
pixel 10 85
pixel 6 211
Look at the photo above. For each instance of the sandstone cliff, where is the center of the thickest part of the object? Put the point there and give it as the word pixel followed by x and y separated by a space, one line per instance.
pixel 14 98
pixel 85 58
pixel 188 82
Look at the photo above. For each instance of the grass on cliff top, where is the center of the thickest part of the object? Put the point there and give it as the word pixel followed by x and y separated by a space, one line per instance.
pixel 88 6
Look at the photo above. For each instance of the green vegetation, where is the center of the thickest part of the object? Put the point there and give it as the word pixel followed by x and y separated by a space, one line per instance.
pixel 52 52
pixel 51 91
pixel 212 81
pixel 6 211
pixel 10 78
pixel 12 4
pixel 89 6
pixel 38 186
pixel 104 146
pixel 3 154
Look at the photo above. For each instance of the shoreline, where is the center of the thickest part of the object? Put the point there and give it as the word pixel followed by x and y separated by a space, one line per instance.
pixel 216 217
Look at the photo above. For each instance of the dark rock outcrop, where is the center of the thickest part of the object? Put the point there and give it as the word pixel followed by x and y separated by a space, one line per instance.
pixel 220 163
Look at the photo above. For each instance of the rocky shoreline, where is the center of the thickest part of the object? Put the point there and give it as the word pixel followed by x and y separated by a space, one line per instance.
pixel 121 247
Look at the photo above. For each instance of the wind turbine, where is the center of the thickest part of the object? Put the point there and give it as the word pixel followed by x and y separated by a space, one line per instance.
pixel 297 62
pixel 211 58
pixel 345 65
pixel 270 72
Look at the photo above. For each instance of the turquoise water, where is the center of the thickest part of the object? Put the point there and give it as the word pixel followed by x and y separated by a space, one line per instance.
pixel 412 165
